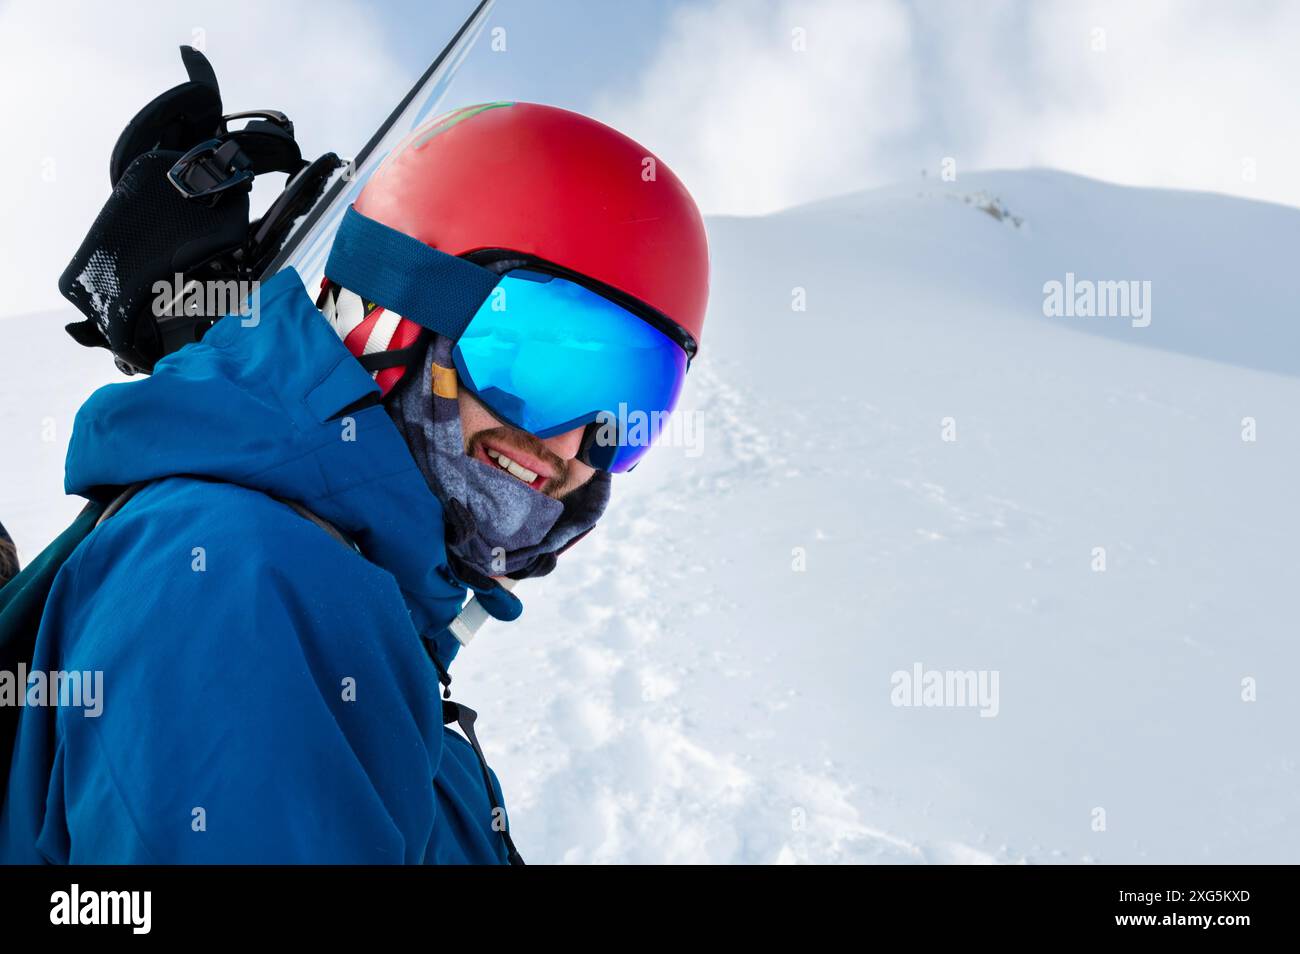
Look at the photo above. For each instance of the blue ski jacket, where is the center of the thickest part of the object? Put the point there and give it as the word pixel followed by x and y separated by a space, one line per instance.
pixel 266 692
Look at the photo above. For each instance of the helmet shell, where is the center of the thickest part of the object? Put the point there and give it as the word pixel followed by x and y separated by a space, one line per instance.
pixel 553 185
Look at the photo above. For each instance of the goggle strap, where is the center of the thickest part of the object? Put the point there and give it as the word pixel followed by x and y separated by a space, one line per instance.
pixel 438 291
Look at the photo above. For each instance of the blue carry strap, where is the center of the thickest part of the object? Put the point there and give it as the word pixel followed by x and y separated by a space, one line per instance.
pixel 405 276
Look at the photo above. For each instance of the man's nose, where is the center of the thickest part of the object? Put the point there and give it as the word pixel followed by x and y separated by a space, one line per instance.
pixel 565 446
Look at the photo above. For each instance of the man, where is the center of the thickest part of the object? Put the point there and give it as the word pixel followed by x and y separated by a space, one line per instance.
pixel 272 607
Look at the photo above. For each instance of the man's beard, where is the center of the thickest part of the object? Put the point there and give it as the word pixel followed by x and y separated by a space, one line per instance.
pixel 506 437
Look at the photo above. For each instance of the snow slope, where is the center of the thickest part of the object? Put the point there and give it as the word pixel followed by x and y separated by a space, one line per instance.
pixel 677 691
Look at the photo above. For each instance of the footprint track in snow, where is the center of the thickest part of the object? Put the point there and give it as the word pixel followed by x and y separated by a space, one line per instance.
pixel 630 780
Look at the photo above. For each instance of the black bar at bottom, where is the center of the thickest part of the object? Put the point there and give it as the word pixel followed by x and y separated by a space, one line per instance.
pixel 1227 903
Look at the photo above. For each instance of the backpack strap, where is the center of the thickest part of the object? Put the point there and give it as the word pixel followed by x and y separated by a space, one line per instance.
pixel 118 502
pixel 338 535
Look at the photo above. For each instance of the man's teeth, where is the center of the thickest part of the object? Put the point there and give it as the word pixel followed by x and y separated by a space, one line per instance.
pixel 519 470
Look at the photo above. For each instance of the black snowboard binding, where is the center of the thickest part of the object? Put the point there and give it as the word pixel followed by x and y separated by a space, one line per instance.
pixel 180 203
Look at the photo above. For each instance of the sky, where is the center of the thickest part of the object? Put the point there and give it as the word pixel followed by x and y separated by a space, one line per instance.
pixel 757 104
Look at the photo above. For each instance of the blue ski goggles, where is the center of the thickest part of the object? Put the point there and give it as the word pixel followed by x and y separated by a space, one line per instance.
pixel 548 355
pixel 545 351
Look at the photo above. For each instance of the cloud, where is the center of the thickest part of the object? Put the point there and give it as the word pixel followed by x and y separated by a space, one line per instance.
pixel 752 122
pixel 1179 94
pixel 75 73
pixel 1185 94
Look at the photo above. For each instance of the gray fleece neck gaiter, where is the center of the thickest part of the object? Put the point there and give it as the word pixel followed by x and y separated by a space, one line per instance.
pixel 496 525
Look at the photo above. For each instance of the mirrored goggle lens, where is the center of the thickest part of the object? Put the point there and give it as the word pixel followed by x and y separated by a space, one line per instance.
pixel 547 355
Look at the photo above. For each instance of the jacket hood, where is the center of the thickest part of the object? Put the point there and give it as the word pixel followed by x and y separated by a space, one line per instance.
pixel 274 402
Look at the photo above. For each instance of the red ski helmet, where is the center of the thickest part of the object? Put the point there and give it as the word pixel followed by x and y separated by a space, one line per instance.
pixel 548 184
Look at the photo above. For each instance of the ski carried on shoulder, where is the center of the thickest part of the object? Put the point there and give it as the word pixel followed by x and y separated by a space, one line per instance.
pixel 307 247
pixel 308 244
